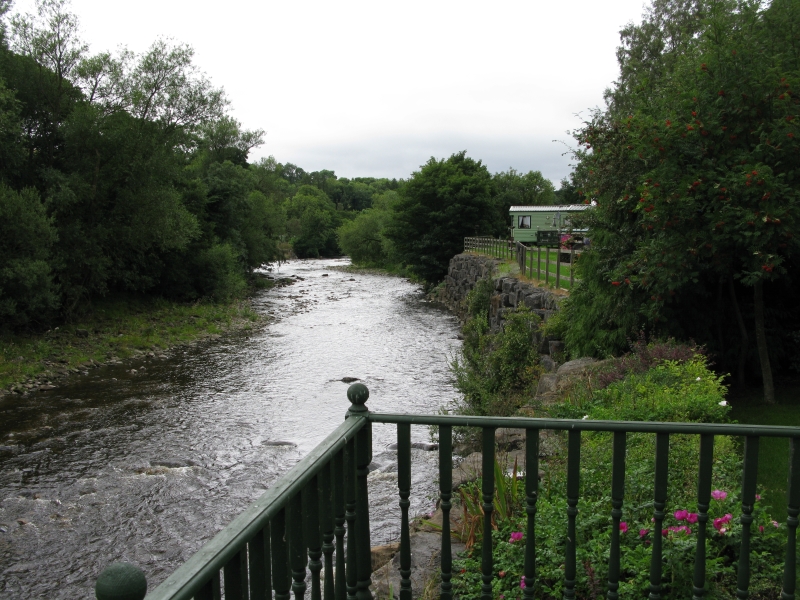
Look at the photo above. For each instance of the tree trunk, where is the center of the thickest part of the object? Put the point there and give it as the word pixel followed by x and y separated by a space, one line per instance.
pixel 742 331
pixel 761 341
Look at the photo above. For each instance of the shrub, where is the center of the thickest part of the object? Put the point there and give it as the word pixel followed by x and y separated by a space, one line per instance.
pixel 496 371
pixel 669 391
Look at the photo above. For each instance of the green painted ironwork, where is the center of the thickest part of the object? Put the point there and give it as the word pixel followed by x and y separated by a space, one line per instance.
pixel 445 494
pixel 299 525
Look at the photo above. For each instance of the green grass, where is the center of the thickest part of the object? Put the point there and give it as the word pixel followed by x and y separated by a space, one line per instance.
pixel 509 267
pixel 120 327
pixel 773 457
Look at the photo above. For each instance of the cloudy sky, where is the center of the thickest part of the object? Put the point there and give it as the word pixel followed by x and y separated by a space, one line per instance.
pixel 377 88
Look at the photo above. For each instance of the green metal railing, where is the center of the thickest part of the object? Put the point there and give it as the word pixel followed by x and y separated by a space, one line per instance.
pixel 299 525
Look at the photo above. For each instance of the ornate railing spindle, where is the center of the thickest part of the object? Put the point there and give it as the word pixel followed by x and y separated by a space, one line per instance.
pixel 790 564
pixel 298 558
pixel 326 508
pixel 350 516
pixel 234 578
pixel 446 492
pixel 258 557
pixel 531 496
pixel 280 556
pixel 749 475
pixel 573 489
pixel 339 483
pixel 703 500
pixel 312 535
pixel 617 495
pixel 404 485
pixel 659 504
pixel 488 506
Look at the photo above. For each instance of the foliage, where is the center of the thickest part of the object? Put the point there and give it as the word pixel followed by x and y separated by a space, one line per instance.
pixel 27 289
pixel 693 167
pixel 443 202
pixel 496 371
pixel 119 326
pixel 128 176
pixel 669 391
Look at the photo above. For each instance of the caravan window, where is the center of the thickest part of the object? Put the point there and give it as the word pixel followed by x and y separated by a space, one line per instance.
pixel 524 222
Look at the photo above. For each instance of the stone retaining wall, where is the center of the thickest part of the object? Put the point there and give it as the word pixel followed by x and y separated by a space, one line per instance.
pixel 466 270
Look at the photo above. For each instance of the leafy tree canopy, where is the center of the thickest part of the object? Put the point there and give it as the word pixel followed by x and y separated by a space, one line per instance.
pixel 694 166
pixel 443 202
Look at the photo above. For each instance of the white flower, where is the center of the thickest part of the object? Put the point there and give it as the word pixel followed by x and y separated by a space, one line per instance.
pixel 584 417
pixel 698 379
pixel 723 403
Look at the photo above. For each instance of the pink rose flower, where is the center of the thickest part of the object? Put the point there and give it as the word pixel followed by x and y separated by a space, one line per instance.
pixel 623 526
pixel 719 495
pixel 681 515
pixel 691 518
pixel 516 536
pixel 643 532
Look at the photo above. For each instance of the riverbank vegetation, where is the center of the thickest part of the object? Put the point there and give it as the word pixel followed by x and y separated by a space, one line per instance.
pixel 117 329
pixel 686 391
pixel 418 229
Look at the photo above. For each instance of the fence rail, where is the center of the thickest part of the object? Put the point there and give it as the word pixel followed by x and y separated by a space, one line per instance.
pixel 301 522
pixel 530 259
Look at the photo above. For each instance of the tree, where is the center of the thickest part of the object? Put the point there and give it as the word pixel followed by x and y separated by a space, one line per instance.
pixel 312 221
pixel 27 291
pixel 444 202
pixel 363 239
pixel 694 167
pixel 511 188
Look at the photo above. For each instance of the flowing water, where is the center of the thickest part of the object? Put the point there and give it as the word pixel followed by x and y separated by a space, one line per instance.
pixel 145 467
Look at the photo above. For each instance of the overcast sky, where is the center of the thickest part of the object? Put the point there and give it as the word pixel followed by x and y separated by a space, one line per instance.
pixel 377 88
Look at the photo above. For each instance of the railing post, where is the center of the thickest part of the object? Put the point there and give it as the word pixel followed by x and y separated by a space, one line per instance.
pixel 659 503
pixel 326 504
pixel 339 503
pixel 404 486
pixel 703 499
pixel 617 495
pixel 446 491
pixel 280 556
pixel 749 475
pixel 121 581
pixel 573 491
pixel 298 559
pixel 313 536
pixel 531 496
pixel 793 510
pixel 487 571
pixel 358 395
pixel 350 517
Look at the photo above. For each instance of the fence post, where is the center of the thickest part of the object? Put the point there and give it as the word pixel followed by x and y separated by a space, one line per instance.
pixel 547 265
pixel 558 265
pixel 358 395
pixel 571 266
pixel 538 263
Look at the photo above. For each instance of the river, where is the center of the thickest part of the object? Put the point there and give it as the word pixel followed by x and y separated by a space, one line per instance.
pixel 145 467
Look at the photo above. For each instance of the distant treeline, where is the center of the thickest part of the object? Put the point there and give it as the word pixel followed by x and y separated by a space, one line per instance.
pixel 123 173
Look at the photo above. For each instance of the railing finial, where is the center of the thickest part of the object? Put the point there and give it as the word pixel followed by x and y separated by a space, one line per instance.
pixel 121 581
pixel 358 394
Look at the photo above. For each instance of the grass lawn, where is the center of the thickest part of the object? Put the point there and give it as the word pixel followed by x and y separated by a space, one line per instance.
pixel 773 459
